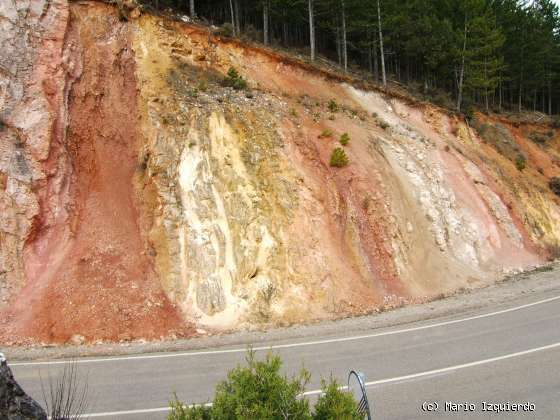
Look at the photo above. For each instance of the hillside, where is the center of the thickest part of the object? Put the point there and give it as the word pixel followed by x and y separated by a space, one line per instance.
pixel 141 198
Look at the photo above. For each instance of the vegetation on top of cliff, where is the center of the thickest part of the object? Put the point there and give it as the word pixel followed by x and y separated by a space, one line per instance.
pixel 541 138
pixel 496 54
pixel 128 9
pixel 499 137
pixel 235 80
pixel 259 391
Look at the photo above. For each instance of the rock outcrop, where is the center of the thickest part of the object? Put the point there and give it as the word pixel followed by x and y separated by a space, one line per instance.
pixel 141 197
pixel 74 259
pixel 15 404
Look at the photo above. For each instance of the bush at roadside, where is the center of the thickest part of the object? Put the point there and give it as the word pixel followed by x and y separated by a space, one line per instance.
pixel 259 391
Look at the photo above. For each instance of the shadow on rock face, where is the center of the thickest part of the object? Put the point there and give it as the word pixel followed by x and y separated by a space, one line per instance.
pixel 14 402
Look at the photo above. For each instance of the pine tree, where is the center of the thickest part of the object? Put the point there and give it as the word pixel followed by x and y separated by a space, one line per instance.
pixel 483 62
pixel 505 52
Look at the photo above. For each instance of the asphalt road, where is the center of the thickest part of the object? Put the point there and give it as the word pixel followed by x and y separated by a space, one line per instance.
pixel 505 354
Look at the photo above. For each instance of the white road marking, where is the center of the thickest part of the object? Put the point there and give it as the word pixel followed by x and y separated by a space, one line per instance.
pixel 451 368
pixel 127 413
pixel 367 384
pixel 291 345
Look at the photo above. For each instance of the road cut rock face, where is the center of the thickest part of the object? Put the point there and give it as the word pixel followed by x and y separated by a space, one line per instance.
pixel 142 198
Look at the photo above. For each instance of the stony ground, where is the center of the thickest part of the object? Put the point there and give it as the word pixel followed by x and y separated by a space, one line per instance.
pixel 504 293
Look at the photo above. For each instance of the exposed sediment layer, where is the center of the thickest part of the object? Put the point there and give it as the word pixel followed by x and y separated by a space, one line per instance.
pixel 87 268
pixel 140 197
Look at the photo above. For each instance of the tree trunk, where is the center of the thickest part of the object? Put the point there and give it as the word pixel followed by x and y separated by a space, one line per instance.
pixel 462 71
pixel 519 96
pixel 383 75
pixel 549 96
pixel 311 30
pixel 344 43
pixel 485 86
pixel 266 5
pixel 521 73
pixel 338 47
pixel 369 57
pixel 407 69
pixel 534 100
pixel 232 12
pixel 191 9
pixel 500 93
pixel 237 18
pixel 375 61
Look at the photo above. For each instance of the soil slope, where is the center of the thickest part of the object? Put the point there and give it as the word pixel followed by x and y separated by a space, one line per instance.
pixel 141 198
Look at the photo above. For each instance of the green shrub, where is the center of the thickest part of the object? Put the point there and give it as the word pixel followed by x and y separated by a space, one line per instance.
pixel 202 85
pixel 335 404
pixel 250 33
pixel 554 185
pixel 520 162
pixel 123 15
pixel 442 98
pixel 259 391
pixel 339 158
pixel 499 137
pixel 234 80
pixel 541 138
pixel 469 112
pixel 344 139
pixel 333 106
pixel 326 133
pixel 178 411
pixel 382 123
pixel 225 30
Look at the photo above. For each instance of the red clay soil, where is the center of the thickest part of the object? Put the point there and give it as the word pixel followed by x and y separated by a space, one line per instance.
pixel 283 63
pixel 94 275
pixel 348 212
